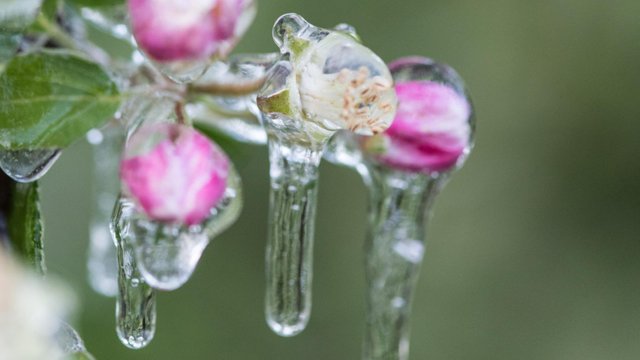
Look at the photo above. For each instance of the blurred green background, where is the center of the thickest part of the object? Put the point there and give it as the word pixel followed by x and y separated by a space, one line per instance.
pixel 534 247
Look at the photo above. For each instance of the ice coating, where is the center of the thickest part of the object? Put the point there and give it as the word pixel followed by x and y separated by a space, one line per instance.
pixel 334 82
pixel 174 173
pixel 324 82
pixel 170 30
pixel 432 129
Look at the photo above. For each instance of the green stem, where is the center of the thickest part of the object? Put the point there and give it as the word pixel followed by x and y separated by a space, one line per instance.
pixel 226 89
pixel 56 33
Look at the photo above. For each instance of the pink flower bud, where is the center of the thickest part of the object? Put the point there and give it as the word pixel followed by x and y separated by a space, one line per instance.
pixel 174 173
pixel 170 30
pixel 431 130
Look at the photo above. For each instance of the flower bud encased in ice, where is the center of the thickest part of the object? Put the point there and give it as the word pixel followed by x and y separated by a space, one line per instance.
pixel 432 131
pixel 172 30
pixel 174 173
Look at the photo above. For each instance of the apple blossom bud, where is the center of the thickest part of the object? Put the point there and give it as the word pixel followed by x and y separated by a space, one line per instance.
pixel 173 30
pixel 432 129
pixel 174 173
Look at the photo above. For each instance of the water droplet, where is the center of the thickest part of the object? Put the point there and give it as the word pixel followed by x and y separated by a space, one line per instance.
pixel 27 165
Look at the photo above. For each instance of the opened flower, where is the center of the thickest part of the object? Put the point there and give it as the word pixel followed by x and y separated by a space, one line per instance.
pixel 347 85
pixel 431 131
pixel 171 30
pixel 174 173
pixel 328 79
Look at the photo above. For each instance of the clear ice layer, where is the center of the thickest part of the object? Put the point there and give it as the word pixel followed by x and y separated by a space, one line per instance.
pixel 27 165
pixel 334 81
pixel 167 254
pixel 289 254
pixel 227 99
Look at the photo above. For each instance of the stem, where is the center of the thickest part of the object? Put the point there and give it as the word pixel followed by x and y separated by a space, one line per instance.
pixel 294 176
pixel 227 89
pixel 135 303
pixel 242 74
pixel 179 111
pixel 56 33
pixel 399 203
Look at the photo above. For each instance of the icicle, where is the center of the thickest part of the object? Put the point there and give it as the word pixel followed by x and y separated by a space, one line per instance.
pixel 404 169
pixel 135 302
pixel 325 82
pixel 398 206
pixel 294 176
pixel 102 264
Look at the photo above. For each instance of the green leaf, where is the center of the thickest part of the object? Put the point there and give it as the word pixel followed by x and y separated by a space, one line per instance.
pixel 25 223
pixel 8 45
pixel 6 188
pixel 49 99
pixel 97 3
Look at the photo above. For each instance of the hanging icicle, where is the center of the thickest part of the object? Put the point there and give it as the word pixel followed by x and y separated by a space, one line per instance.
pixel 136 300
pixel 404 169
pixel 326 81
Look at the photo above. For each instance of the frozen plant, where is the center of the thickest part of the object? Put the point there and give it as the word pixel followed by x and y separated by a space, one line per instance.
pixel 164 188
